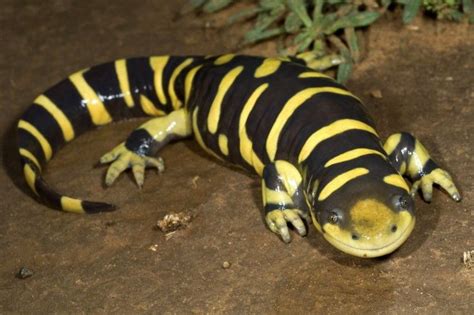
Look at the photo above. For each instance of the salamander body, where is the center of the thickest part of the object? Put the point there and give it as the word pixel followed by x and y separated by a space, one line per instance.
pixel 309 139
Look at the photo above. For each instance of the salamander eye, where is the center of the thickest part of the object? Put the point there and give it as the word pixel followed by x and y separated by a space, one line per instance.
pixel 401 202
pixel 334 217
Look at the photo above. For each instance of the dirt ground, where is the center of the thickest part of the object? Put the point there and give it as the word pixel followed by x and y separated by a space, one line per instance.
pixel 118 263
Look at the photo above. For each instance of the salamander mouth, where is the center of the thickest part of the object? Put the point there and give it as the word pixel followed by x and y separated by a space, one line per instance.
pixel 372 252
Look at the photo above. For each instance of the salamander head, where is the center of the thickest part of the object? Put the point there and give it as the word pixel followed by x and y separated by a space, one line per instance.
pixel 365 219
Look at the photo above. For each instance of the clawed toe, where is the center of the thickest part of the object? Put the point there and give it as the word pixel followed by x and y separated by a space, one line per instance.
pixel 437 176
pixel 277 221
pixel 123 159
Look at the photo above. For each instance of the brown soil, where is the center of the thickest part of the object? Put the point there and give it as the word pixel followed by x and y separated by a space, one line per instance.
pixel 118 262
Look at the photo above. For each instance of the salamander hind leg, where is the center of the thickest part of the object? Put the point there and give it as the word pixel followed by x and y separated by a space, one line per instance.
pixel 143 143
pixel 283 199
pixel 412 159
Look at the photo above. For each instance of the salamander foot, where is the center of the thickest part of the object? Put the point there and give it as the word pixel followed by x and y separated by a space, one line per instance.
pixel 437 176
pixel 277 221
pixel 123 159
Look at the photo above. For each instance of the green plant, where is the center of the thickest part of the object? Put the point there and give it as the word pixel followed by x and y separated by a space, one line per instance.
pixel 324 32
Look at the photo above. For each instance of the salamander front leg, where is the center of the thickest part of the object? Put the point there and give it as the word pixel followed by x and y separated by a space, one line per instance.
pixel 144 142
pixel 411 158
pixel 283 199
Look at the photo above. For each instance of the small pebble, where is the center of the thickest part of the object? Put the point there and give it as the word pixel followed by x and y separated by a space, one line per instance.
pixel 449 78
pixel 24 273
pixel 376 93
pixel 153 248
pixel 226 265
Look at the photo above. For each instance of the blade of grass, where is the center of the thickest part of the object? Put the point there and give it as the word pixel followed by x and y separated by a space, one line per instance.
pixel 410 10
pixel 352 20
pixel 299 8
pixel 351 40
pixel 212 6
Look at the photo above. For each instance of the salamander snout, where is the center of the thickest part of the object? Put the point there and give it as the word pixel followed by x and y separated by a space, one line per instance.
pixel 370 228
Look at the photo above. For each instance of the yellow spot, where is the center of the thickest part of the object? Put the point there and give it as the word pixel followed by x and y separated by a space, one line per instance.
pixel 174 99
pixel 58 115
pixel 188 83
pixel 223 144
pixel 198 136
pixel 246 145
pixel 158 64
pixel 335 128
pixel 224 86
pixel 97 110
pixel 30 156
pixel 396 180
pixel 391 143
pixel 418 159
pixel 124 83
pixel 275 197
pixel 268 66
pixel 149 108
pixel 289 108
pixel 30 177
pixel 351 155
pixel 48 152
pixel 224 59
pixel 403 168
pixel 285 58
pixel 177 123
pixel 371 218
pixel 289 175
pixel 313 74
pixel 71 205
pixel 340 181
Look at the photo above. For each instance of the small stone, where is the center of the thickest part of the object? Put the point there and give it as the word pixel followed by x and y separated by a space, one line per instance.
pixel 194 182
pixel 449 78
pixel 468 259
pixel 226 265
pixel 174 221
pixel 376 93
pixel 24 273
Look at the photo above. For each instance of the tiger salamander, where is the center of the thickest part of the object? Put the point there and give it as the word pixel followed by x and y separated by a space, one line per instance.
pixel 309 139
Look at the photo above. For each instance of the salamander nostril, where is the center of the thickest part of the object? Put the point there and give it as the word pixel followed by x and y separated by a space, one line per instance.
pixel 355 237
pixel 394 228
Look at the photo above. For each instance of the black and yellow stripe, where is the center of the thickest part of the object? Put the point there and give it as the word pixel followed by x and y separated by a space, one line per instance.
pixel 251 111
pixel 89 98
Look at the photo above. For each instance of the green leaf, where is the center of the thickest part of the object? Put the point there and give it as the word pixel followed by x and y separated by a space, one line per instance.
pixel 319 47
pixel 467 6
pixel 256 35
pixel 264 20
pixel 318 9
pixel 215 5
pixel 351 39
pixel 344 70
pixel 292 23
pixel 271 4
pixel 196 3
pixel 299 8
pixel 410 10
pixel 243 15
pixel 352 20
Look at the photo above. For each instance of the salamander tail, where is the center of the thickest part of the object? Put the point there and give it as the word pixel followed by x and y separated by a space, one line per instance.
pixel 38 185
